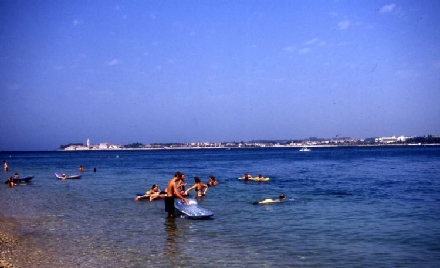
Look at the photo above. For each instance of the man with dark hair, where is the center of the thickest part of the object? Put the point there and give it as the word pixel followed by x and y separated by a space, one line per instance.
pixel 173 192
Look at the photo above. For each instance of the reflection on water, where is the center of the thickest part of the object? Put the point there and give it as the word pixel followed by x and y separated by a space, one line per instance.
pixel 172 234
pixel 178 246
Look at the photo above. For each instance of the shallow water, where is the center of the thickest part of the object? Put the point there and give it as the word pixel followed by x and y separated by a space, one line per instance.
pixel 356 207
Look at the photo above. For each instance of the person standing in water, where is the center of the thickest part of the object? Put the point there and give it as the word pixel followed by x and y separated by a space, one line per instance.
pixel 200 187
pixel 173 192
pixel 181 185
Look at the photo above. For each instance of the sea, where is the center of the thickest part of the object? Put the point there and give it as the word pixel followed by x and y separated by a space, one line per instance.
pixel 345 207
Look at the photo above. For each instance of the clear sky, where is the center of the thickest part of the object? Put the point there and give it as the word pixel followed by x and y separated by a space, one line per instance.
pixel 195 71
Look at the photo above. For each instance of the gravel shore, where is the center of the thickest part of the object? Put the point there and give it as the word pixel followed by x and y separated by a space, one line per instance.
pixel 8 243
pixel 18 250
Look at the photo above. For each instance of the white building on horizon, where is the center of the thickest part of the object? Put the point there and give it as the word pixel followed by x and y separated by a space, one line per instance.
pixel 392 139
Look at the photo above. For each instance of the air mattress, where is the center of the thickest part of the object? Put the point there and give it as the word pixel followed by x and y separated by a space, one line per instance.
pixel 192 210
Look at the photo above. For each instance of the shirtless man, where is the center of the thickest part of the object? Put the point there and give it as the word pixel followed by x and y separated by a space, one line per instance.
pixel 173 192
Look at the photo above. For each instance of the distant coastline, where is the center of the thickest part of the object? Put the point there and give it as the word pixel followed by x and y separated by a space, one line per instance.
pixel 250 147
pixel 428 140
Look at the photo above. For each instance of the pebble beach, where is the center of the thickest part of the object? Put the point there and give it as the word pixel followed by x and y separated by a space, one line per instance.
pixel 9 244
pixel 15 250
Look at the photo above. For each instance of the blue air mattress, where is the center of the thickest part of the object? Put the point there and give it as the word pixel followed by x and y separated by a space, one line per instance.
pixel 192 210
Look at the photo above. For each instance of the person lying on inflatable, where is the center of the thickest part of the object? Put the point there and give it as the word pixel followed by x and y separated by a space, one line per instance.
pixel 153 193
pixel 281 198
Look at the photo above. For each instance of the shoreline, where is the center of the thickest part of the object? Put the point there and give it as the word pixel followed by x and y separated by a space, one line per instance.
pixel 18 250
pixel 9 244
pixel 254 147
pixel 234 148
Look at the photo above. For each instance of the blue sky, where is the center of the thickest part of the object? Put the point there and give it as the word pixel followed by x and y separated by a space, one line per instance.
pixel 194 71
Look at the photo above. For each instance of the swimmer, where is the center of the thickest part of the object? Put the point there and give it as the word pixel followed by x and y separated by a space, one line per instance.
pixel 11 182
pixel 260 177
pixel 200 187
pixel 281 198
pixel 247 176
pixel 212 181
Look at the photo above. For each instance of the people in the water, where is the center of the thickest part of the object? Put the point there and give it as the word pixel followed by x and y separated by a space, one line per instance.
pixel 81 168
pixel 172 192
pixel 181 185
pixel 11 182
pixel 5 166
pixel 153 193
pixel 200 187
pixel 212 181
pixel 281 198
pixel 260 177
pixel 63 176
pixel 16 176
pixel 247 176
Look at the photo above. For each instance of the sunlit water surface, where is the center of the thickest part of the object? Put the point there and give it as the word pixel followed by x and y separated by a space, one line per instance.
pixel 346 207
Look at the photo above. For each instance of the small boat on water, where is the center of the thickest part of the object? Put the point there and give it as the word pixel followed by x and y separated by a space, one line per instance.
pixel 64 177
pixel 21 179
pixel 304 149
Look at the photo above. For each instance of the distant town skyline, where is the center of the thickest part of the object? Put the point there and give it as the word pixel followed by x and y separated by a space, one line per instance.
pixel 172 71
pixel 312 141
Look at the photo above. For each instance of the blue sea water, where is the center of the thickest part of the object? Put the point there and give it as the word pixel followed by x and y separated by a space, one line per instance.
pixel 346 207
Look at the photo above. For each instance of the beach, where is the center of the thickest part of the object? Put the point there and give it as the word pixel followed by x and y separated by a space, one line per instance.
pixel 15 249
pixel 8 243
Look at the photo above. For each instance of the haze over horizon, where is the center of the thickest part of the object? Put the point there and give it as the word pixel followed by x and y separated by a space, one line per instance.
pixel 194 71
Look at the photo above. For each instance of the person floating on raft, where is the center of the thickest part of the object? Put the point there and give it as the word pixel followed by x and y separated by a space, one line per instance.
pixel 281 198
pixel 260 178
pixel 248 177
pixel 153 193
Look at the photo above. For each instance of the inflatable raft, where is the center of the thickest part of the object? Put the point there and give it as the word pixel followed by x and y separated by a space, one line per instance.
pixel 254 179
pixel 192 210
